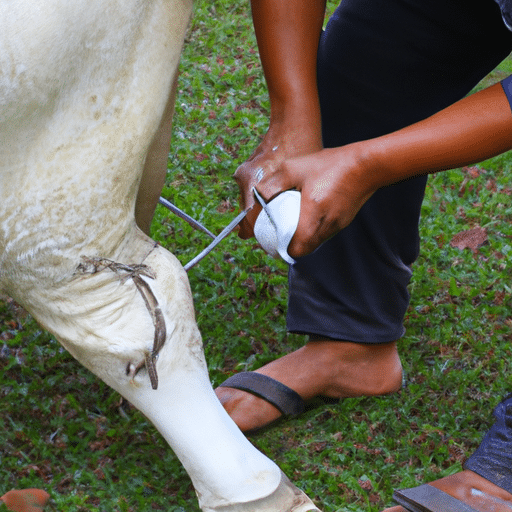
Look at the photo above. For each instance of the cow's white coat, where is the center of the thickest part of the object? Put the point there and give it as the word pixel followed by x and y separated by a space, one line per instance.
pixel 83 87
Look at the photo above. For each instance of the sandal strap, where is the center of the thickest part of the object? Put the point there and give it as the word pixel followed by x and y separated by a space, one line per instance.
pixel 284 398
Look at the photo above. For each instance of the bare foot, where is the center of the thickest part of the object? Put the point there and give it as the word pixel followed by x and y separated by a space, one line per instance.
pixel 321 368
pixel 474 490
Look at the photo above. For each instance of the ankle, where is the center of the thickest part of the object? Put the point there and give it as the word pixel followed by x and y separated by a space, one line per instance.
pixel 360 369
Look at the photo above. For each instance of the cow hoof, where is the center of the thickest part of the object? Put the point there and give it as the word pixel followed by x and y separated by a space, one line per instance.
pixel 286 498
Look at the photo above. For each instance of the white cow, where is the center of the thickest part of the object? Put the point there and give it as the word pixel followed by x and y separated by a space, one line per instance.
pixel 85 103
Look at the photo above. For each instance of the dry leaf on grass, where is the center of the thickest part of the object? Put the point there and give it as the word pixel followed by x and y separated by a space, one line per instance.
pixel 470 239
pixel 25 500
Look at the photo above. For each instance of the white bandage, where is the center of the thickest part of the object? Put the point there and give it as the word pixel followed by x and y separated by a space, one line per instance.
pixel 277 222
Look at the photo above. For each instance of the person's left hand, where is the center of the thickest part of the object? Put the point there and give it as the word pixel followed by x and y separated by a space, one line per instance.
pixel 334 183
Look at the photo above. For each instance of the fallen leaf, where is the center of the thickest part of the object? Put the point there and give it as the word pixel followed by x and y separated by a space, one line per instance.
pixel 365 484
pixel 470 239
pixel 491 185
pixel 25 500
pixel 473 172
pixel 374 498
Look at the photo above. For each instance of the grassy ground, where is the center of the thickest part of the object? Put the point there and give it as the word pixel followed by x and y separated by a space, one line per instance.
pixel 63 430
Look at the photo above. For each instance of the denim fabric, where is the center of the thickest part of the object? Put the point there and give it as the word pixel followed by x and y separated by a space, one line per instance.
pixel 493 458
pixel 506 12
pixel 507 87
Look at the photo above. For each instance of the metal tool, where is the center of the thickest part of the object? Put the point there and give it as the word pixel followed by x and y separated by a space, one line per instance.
pixel 180 213
pixel 194 223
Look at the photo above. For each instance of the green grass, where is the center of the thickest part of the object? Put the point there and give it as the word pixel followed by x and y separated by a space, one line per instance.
pixel 63 430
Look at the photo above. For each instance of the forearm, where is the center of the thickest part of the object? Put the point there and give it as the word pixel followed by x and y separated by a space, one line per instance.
pixel 288 32
pixel 469 131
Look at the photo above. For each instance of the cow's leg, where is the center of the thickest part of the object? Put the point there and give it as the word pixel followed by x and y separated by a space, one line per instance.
pixel 137 332
pixel 155 167
pixel 227 471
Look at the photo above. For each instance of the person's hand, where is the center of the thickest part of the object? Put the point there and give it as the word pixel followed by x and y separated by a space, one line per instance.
pixel 334 183
pixel 265 165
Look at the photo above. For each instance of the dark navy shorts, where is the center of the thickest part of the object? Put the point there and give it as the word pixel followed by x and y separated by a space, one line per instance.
pixel 383 65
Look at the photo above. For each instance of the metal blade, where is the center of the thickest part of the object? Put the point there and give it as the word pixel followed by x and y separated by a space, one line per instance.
pixel 180 213
pixel 223 234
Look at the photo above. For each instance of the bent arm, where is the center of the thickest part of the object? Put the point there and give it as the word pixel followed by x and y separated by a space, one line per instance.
pixel 335 183
pixel 288 33
pixel 474 129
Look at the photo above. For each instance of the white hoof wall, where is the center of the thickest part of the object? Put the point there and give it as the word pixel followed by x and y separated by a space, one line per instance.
pixel 286 498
